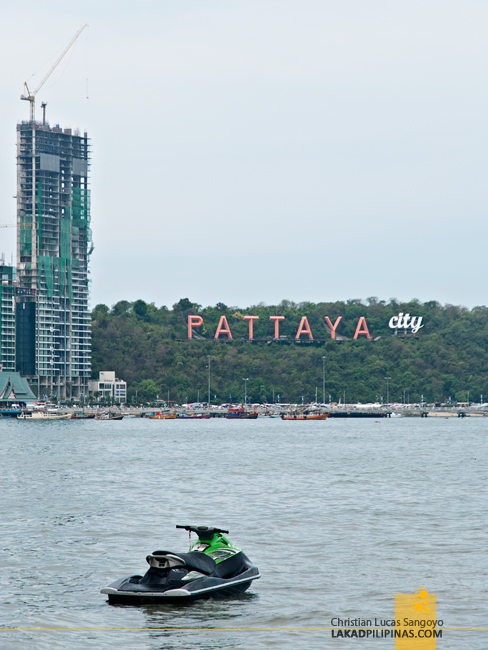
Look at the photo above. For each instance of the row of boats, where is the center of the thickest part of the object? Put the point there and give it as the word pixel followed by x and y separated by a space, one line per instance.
pixel 234 413
pixel 48 415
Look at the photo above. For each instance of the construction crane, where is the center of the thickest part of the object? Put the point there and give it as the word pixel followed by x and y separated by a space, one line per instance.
pixel 7 225
pixel 31 97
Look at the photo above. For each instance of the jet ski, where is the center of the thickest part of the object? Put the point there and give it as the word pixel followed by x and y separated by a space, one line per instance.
pixel 213 567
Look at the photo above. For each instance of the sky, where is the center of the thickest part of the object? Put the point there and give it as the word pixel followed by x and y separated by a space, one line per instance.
pixel 248 152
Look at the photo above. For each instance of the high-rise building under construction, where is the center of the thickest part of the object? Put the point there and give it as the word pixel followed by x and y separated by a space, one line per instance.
pixel 53 249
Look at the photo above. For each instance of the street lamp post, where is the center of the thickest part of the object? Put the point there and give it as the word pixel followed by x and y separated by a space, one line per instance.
pixel 208 359
pixel 387 389
pixel 323 380
pixel 245 380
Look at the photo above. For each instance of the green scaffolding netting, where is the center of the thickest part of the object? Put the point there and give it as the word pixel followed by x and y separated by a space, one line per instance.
pixel 65 236
pixel 25 241
pixel 75 222
pixel 80 201
pixel 39 213
pixel 45 263
pixel 50 265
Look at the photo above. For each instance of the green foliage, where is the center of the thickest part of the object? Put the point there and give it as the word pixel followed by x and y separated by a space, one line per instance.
pixel 140 308
pixel 183 305
pixel 147 390
pixel 148 347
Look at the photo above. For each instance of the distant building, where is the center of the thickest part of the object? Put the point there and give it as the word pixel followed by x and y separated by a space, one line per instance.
pixel 7 317
pixel 53 249
pixel 108 386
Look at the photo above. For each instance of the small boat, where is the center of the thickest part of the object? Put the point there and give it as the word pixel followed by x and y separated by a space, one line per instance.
pixel 162 416
pixel 304 416
pixel 109 416
pixel 43 416
pixel 77 415
pixel 239 413
pixel 10 412
pixel 198 416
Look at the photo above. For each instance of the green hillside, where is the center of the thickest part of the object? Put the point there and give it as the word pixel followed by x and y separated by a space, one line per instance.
pixel 148 347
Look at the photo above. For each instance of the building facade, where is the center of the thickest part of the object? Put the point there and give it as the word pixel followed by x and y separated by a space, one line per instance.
pixel 108 386
pixel 53 250
pixel 7 317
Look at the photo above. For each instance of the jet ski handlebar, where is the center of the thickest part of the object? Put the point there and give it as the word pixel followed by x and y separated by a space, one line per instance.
pixel 205 533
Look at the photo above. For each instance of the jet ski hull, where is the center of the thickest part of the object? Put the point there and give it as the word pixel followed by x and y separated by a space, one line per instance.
pixel 129 591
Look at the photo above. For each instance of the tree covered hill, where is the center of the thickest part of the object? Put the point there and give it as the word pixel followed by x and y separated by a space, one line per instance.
pixel 148 347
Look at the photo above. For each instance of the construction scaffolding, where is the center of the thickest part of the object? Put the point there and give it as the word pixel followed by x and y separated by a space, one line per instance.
pixel 53 249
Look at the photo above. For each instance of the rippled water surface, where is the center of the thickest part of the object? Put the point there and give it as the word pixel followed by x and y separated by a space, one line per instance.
pixel 338 516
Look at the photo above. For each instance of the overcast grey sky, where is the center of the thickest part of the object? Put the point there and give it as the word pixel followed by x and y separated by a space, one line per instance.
pixel 266 149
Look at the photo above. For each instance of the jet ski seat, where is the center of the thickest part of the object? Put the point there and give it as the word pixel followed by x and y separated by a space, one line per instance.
pixel 193 560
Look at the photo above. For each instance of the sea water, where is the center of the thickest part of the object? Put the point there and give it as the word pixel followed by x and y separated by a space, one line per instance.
pixel 338 515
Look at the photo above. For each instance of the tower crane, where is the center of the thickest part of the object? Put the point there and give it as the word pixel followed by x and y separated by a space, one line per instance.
pixel 31 96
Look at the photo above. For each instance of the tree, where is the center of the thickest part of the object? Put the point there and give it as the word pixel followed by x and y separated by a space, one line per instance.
pixel 183 305
pixel 140 308
pixel 147 390
pixel 121 308
pixel 100 309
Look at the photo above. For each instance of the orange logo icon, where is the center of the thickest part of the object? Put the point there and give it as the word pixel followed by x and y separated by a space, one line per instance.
pixel 420 604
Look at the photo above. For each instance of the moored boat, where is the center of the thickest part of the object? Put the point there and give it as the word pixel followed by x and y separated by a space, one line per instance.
pixel 43 416
pixel 198 416
pixel 109 416
pixel 239 413
pixel 82 416
pixel 10 412
pixel 162 416
pixel 304 416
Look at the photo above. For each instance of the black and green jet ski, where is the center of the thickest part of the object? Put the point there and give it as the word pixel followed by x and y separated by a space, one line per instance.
pixel 214 567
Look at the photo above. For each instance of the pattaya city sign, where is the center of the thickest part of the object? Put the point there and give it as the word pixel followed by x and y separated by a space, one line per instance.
pixel 402 321
pixel 304 328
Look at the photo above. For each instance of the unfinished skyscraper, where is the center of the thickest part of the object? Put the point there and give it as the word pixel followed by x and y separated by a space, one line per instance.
pixel 53 249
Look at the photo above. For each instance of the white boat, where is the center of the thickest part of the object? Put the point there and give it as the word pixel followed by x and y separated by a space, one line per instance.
pixel 43 415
